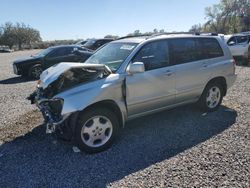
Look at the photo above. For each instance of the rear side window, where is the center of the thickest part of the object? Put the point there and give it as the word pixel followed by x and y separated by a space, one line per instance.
pixel 241 39
pixel 210 48
pixel 184 50
pixel 154 55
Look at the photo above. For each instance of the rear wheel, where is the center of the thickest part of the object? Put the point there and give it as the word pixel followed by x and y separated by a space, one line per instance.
pixel 247 60
pixel 211 97
pixel 35 71
pixel 96 130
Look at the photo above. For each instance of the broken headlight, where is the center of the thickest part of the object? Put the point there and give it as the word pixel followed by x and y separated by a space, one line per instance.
pixel 54 106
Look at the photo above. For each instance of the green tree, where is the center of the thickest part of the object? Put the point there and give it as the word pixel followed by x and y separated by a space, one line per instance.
pixel 229 16
pixel 197 28
pixel 8 36
pixel 18 34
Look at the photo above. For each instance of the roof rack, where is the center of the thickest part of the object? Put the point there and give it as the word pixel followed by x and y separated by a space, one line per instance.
pixel 133 36
pixel 190 33
pixel 170 33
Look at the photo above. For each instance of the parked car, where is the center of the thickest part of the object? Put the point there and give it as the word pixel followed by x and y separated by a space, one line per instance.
pixel 34 65
pixel 94 44
pixel 130 78
pixel 81 42
pixel 239 45
pixel 5 49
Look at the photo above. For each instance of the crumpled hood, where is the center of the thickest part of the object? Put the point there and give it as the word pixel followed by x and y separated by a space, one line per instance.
pixel 53 73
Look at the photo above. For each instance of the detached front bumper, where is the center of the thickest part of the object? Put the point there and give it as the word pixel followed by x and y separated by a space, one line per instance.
pixel 51 110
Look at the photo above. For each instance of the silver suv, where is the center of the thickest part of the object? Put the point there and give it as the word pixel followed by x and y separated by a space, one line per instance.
pixel 90 102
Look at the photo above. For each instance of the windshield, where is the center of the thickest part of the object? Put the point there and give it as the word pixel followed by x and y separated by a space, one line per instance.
pixel 89 43
pixel 43 52
pixel 112 55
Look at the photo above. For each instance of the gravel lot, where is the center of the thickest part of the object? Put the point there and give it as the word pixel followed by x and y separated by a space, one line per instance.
pixel 176 148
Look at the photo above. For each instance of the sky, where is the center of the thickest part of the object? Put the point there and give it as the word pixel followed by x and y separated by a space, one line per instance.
pixel 81 19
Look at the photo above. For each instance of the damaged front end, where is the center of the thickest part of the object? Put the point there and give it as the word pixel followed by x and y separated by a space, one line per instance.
pixel 51 109
pixel 58 79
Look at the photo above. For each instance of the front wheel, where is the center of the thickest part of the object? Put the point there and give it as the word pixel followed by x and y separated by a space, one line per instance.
pixel 96 130
pixel 211 97
pixel 35 71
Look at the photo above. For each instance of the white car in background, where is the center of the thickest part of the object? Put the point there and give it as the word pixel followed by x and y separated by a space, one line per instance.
pixel 239 45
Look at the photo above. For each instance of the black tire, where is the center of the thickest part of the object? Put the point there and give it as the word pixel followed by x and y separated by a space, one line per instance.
pixel 84 118
pixel 203 103
pixel 35 71
pixel 247 60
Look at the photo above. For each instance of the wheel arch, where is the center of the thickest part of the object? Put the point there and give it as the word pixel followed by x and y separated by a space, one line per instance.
pixel 111 105
pixel 221 80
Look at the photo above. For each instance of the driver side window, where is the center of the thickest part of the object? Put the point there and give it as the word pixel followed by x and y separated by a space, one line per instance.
pixel 61 52
pixel 154 55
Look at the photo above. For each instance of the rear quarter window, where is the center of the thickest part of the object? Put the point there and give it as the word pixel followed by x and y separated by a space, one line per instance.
pixel 242 39
pixel 210 48
pixel 184 50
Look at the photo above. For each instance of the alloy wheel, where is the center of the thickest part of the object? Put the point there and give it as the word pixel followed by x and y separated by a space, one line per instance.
pixel 96 131
pixel 213 97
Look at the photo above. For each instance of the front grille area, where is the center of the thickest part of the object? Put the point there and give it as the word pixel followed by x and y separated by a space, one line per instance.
pixel 15 70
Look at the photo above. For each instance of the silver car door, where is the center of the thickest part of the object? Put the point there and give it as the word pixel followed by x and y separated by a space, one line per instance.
pixel 195 61
pixel 154 88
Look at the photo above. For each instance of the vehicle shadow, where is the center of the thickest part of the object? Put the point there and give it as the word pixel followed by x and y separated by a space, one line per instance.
pixel 37 159
pixel 16 80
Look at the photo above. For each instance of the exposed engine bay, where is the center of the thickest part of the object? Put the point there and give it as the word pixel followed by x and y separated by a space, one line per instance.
pixel 68 78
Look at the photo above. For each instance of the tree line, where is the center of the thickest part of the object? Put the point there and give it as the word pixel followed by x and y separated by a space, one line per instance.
pixel 18 34
pixel 229 16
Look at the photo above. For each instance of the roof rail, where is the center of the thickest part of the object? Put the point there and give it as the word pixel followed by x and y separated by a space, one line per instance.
pixel 133 36
pixel 190 33
pixel 170 33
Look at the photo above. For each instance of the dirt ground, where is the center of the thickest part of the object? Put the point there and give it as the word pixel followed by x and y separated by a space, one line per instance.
pixel 176 148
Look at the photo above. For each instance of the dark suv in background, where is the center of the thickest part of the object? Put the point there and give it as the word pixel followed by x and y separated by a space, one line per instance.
pixel 34 65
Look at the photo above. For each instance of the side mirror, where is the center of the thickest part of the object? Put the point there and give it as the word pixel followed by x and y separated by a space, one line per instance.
pixel 231 43
pixel 136 67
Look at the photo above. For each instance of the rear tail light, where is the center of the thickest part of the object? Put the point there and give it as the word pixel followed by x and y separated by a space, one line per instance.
pixel 234 62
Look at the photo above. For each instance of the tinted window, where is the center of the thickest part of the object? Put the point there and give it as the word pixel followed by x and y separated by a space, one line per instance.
pixel 184 50
pixel 241 39
pixel 210 48
pixel 154 55
pixel 99 43
pixel 61 52
pixel 231 41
